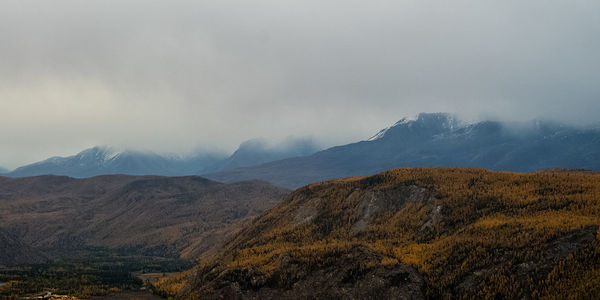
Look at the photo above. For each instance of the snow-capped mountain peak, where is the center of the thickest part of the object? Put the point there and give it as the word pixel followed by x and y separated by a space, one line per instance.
pixel 441 121
pixel 382 132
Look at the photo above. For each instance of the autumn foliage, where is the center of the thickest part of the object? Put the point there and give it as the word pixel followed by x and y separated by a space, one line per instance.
pixel 468 232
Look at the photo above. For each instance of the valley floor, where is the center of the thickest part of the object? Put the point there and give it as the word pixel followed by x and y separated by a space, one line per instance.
pixel 100 274
pixel 128 295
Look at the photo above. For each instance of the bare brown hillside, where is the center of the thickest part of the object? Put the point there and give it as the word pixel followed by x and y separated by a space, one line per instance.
pixel 166 216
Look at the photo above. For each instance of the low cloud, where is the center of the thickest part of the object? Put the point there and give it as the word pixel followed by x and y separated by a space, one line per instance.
pixel 175 76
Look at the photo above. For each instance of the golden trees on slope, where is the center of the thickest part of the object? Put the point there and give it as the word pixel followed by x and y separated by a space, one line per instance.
pixel 469 232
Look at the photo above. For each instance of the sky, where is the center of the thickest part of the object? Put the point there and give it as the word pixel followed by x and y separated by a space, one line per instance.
pixel 183 76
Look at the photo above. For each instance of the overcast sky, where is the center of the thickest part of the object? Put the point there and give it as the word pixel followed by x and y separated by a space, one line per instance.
pixel 175 76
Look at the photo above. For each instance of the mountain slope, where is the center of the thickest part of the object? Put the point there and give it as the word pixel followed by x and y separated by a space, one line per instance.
pixel 3 170
pixel 257 151
pixel 417 233
pixel 105 160
pixel 437 140
pixel 164 216
pixel 16 252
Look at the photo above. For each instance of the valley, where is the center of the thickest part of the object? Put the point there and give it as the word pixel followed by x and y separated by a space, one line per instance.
pixel 98 272
pixel 87 237
pixel 412 233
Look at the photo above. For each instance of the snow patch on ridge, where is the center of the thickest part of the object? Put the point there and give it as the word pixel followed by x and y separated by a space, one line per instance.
pixel 382 132
pixel 447 121
pixel 111 153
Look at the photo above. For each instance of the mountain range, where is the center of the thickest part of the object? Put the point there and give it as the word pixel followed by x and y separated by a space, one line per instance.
pixel 438 139
pixel 430 139
pixel 408 233
pixel 107 160
pixel 258 151
pixel 104 160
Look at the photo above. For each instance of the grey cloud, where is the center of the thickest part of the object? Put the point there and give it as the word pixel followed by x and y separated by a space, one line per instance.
pixel 173 76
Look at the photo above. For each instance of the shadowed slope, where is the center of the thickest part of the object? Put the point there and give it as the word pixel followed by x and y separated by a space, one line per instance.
pixel 172 216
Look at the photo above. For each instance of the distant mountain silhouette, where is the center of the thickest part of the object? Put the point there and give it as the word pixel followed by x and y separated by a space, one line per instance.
pixel 437 139
pixel 107 160
pixel 257 151
pixel 431 139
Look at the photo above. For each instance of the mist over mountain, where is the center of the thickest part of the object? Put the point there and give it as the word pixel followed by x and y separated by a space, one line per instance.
pixel 176 74
pixel 106 160
pixel 438 139
pixel 299 149
pixel 258 151
pixel 430 139
pixel 103 160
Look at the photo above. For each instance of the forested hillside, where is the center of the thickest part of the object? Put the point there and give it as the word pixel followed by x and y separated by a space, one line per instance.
pixel 416 233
